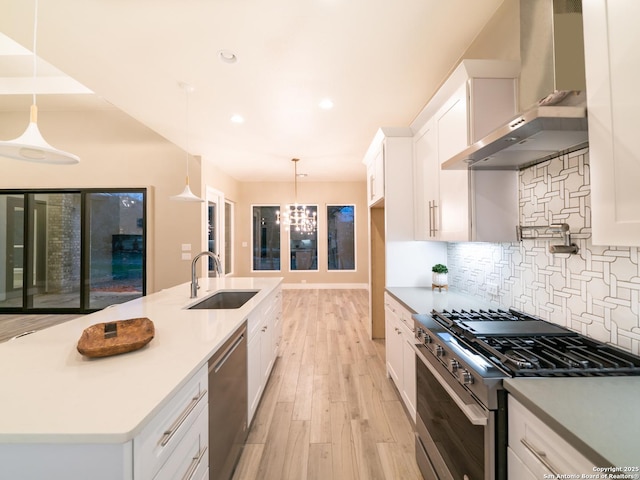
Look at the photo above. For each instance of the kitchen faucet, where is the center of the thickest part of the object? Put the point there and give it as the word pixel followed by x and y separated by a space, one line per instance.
pixel 217 266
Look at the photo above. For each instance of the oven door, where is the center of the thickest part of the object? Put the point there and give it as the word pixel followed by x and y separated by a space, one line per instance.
pixel 454 433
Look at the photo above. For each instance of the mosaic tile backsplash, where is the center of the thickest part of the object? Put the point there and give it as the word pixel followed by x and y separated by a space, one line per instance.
pixel 595 292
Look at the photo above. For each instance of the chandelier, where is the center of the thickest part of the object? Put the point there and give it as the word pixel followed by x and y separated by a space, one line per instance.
pixel 296 216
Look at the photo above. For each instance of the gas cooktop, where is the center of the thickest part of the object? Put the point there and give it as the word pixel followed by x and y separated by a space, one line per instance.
pixel 525 345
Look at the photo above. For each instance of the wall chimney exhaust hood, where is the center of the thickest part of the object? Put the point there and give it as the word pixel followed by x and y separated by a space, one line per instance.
pixel 552 56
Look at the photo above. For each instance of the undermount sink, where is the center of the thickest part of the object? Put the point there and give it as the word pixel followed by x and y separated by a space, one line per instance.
pixel 225 300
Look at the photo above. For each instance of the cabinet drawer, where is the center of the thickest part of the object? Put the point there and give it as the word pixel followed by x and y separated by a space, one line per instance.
pixel 516 468
pixel 160 437
pixel 540 448
pixel 190 458
pixel 399 310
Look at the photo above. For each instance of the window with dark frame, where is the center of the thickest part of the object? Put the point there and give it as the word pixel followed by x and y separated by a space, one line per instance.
pixel 71 250
pixel 341 251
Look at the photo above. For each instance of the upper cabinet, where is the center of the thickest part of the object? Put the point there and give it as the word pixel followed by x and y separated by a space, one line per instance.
pixel 375 176
pixel 612 62
pixel 459 205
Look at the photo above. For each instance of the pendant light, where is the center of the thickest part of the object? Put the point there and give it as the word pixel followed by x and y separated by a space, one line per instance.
pixel 187 195
pixel 297 216
pixel 31 146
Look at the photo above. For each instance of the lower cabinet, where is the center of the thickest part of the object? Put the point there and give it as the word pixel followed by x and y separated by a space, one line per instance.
pixel 401 357
pixel 265 333
pixel 537 451
pixel 180 427
pixel 174 444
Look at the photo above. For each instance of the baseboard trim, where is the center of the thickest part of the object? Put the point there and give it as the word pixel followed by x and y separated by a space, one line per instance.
pixel 325 286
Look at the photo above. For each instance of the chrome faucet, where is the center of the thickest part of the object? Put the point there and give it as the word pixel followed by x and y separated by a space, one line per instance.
pixel 217 266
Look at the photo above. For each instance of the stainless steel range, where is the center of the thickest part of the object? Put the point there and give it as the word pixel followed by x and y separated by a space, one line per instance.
pixel 463 357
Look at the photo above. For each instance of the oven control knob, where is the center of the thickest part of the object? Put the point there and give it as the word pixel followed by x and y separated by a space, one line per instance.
pixel 454 365
pixel 466 377
pixel 439 351
pixel 427 338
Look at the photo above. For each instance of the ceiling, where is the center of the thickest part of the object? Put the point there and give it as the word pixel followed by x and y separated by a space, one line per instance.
pixel 379 61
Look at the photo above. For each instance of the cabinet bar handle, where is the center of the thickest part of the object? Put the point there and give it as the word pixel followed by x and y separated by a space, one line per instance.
pixel 540 456
pixel 193 466
pixel 166 436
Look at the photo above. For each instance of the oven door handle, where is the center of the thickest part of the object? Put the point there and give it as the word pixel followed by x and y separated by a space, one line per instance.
pixel 474 412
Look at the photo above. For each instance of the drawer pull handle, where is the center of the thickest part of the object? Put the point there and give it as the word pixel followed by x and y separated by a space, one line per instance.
pixel 193 466
pixel 166 436
pixel 540 456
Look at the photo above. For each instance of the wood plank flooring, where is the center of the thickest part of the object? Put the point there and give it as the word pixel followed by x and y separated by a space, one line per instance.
pixel 329 411
pixel 11 325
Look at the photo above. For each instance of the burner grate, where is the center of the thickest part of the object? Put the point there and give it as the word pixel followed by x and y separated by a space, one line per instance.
pixel 537 356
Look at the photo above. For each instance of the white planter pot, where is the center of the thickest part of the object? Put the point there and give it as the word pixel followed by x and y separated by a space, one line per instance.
pixel 440 279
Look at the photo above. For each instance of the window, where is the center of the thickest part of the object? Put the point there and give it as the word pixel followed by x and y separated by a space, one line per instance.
pixel 341 237
pixel 266 238
pixel 303 247
pixel 71 251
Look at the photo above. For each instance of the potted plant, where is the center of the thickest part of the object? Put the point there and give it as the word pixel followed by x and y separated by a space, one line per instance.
pixel 440 275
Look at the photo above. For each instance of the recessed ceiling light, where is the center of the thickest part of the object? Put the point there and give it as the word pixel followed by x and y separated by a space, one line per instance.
pixel 326 104
pixel 227 56
pixel 237 118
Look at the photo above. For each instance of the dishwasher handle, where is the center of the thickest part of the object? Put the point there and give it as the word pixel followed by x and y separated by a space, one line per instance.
pixel 227 353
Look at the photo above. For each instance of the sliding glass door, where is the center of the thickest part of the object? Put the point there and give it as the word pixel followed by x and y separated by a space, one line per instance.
pixel 71 251
pixel 115 247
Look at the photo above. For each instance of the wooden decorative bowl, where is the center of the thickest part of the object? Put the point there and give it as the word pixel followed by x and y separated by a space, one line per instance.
pixel 113 338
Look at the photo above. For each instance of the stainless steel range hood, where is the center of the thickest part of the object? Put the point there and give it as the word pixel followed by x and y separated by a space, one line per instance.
pixel 552 56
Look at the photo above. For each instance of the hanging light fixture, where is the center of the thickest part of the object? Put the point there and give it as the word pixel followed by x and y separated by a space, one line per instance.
pixel 31 146
pixel 297 216
pixel 187 195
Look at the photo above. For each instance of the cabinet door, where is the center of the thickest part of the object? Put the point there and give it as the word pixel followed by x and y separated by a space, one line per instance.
pixel 453 125
pixel 612 62
pixel 393 346
pixel 254 374
pixel 427 177
pixel 266 351
pixel 409 373
pixel 375 177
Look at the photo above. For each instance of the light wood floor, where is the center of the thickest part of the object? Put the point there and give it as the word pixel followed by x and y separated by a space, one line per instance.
pixel 11 325
pixel 329 411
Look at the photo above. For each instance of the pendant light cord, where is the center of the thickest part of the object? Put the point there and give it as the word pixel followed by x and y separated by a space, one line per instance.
pixel 186 123
pixel 295 181
pixel 35 47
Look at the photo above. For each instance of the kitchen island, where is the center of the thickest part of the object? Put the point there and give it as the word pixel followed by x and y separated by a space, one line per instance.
pixel 54 397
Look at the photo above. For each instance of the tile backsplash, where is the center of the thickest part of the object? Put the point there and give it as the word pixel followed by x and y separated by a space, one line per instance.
pixel 595 292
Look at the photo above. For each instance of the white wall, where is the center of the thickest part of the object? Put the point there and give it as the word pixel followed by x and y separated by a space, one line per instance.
pixel 117 151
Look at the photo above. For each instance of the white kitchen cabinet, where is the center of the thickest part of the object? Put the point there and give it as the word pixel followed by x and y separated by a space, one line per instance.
pixel 426 183
pixel 158 452
pixel 156 444
pixel 375 177
pixel 265 332
pixel 460 205
pixel 612 63
pixel 537 449
pixel 400 355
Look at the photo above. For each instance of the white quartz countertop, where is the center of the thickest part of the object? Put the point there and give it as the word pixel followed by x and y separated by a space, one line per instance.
pixel 50 393
pixel 424 299
pixel 597 415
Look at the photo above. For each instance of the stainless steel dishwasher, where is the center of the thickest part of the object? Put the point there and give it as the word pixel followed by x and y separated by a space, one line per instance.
pixel 228 405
